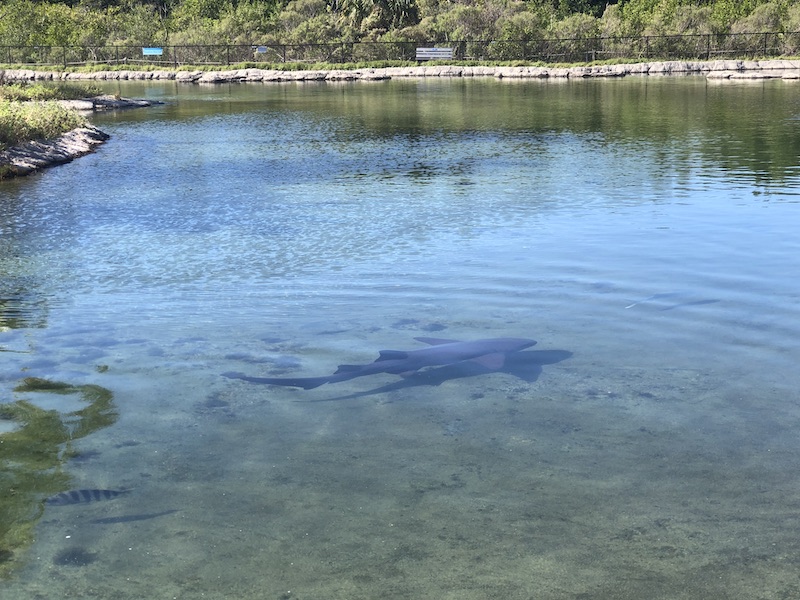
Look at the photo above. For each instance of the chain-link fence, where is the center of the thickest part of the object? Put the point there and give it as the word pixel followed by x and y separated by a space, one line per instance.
pixel 659 47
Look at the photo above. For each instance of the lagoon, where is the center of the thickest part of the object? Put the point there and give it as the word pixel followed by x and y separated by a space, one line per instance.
pixel 642 230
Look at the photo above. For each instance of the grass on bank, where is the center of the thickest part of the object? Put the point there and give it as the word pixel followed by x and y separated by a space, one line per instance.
pixel 23 121
pixel 29 111
pixel 23 91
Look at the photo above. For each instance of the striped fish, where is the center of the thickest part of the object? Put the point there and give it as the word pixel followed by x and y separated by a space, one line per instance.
pixel 83 496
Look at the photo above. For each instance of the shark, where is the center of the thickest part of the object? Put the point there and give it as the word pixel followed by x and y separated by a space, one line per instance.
pixel 526 366
pixel 490 353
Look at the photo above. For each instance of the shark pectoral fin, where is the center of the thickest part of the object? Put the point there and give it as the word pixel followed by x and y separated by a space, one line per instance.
pixel 435 341
pixel 391 355
pixel 491 361
pixel 348 369
pixel 407 374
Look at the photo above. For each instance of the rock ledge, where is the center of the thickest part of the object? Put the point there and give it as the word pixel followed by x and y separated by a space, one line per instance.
pixel 716 69
pixel 29 157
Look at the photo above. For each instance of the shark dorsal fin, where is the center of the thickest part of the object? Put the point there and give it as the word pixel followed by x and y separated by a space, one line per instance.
pixel 391 355
pixel 435 341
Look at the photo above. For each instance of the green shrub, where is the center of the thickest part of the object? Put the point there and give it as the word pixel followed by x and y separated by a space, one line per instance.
pixel 23 121
pixel 23 91
pixel 766 17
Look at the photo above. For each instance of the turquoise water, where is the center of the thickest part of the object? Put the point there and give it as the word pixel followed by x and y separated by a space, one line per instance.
pixel 643 231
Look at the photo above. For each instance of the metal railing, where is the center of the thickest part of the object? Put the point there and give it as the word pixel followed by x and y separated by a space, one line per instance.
pixel 661 47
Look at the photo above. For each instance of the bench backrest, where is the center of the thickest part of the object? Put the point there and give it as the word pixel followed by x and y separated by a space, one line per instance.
pixel 434 53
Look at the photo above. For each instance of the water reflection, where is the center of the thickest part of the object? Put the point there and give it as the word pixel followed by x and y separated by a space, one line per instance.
pixel 20 308
pixel 292 227
pixel 746 128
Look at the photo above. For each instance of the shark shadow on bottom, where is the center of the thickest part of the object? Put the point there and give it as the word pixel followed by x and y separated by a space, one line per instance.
pixel 454 359
pixel 526 366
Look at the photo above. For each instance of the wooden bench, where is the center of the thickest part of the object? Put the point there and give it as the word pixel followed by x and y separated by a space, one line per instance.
pixel 434 54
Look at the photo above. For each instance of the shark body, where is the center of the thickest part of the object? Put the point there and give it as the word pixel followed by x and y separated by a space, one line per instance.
pixel 490 353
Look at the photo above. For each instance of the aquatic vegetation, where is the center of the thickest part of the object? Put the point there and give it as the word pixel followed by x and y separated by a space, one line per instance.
pixel 32 457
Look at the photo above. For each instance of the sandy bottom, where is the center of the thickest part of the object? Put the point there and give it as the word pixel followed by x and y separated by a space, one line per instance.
pixel 586 483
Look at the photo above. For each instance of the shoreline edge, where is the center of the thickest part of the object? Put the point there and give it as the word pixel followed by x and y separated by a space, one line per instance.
pixel 713 69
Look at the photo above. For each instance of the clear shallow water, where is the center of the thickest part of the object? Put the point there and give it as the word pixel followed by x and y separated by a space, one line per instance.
pixel 645 447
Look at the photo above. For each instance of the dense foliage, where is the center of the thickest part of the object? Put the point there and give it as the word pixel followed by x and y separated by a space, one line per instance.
pixel 178 22
pixel 20 121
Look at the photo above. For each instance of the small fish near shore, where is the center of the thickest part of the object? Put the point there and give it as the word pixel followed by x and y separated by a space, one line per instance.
pixel 83 497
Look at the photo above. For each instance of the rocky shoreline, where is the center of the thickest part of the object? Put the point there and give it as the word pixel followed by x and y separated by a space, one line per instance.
pixel 716 69
pixel 106 102
pixel 29 157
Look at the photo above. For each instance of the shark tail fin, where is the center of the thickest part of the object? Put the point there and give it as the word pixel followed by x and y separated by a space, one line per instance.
pixel 307 383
